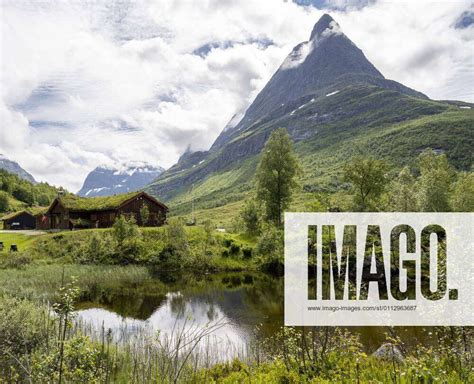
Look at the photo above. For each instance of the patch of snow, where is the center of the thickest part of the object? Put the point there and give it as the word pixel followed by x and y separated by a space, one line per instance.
pixel 302 106
pixel 332 93
pixel 464 107
pixel 202 161
pixel 298 55
pixel 95 190
pixel 333 29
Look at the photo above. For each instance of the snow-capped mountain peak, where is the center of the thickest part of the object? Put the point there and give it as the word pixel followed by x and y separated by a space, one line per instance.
pixel 106 180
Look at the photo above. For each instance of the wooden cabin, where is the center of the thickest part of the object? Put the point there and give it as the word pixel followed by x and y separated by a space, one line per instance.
pixel 19 220
pixel 73 212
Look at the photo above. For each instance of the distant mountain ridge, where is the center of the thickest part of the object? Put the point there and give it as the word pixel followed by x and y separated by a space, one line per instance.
pixel 334 103
pixel 107 181
pixel 13 167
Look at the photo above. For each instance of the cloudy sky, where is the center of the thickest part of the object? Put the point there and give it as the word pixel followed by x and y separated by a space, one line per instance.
pixel 85 83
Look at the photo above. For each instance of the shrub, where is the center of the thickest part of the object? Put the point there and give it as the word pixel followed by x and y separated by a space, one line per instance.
pixel 124 229
pixel 22 327
pixel 234 249
pixel 84 362
pixel 251 217
pixel 270 250
pixel 228 242
pixel 247 252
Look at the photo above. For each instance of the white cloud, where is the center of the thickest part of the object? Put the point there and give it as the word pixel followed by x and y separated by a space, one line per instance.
pixel 89 83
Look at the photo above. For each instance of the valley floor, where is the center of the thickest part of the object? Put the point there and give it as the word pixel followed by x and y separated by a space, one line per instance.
pixel 35 344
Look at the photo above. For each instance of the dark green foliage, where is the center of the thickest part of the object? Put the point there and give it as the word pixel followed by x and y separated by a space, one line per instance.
pixel 4 202
pixel 270 250
pixel 276 175
pixel 228 242
pixel 234 249
pixel 247 252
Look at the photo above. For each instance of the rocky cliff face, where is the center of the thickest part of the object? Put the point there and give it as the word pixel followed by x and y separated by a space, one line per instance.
pixel 14 167
pixel 104 181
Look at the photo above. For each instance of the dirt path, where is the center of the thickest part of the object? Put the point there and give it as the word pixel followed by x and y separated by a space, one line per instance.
pixel 24 232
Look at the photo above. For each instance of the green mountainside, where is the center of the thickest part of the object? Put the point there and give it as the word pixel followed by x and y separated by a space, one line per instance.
pixel 334 104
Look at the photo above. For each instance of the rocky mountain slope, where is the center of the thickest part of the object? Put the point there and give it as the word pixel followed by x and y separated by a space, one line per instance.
pixel 13 167
pixel 104 181
pixel 334 103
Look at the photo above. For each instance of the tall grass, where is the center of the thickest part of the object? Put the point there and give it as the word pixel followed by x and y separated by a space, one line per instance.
pixel 41 282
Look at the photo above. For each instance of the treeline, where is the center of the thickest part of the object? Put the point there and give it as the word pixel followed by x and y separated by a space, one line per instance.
pixel 367 184
pixel 431 185
pixel 16 192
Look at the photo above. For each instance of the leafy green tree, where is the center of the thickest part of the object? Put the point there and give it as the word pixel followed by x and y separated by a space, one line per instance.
pixel 43 199
pixel 177 245
pixel 367 176
pixel 251 217
pixel 4 202
pixel 433 186
pixel 277 174
pixel 462 198
pixel 402 196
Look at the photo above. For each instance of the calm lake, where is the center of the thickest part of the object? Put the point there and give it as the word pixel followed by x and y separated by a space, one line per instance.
pixel 236 307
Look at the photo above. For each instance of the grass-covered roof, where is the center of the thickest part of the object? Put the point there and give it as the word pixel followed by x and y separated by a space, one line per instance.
pixel 103 203
pixel 32 210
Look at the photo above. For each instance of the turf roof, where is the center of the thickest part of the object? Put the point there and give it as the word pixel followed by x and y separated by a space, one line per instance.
pixel 76 203
pixel 32 210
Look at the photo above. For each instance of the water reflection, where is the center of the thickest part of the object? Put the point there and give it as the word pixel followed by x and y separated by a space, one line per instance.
pixel 237 302
pixel 175 314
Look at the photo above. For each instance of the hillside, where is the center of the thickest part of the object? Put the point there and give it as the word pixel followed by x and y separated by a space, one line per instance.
pixel 334 103
pixel 17 193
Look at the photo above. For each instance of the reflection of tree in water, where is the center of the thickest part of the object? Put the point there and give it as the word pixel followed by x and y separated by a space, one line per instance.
pixel 264 302
pixel 177 304
pixel 211 312
pixel 131 304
